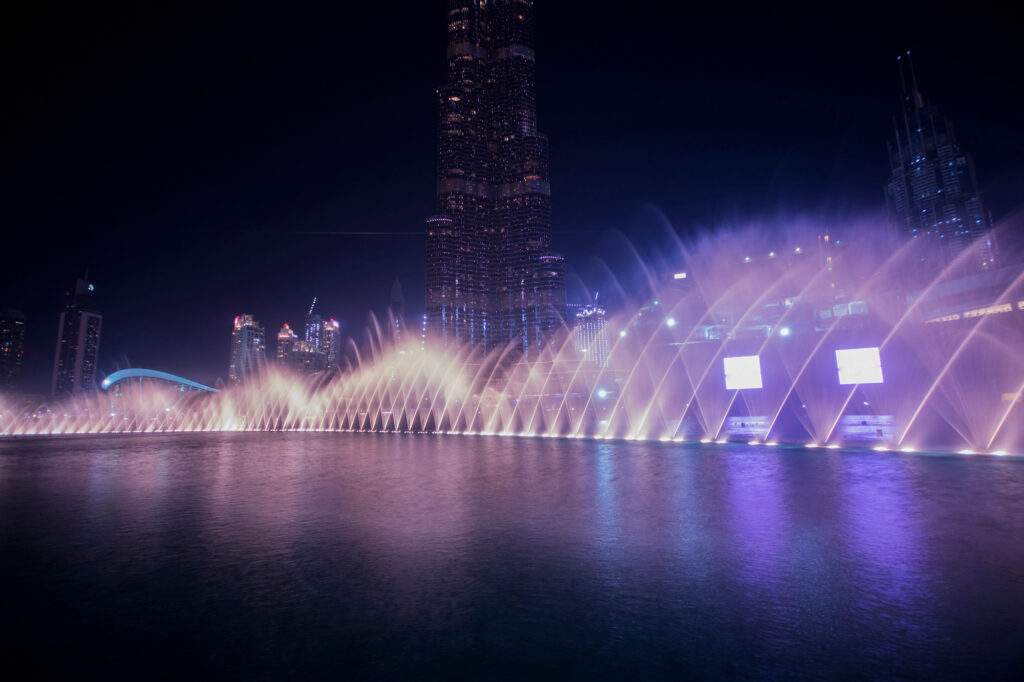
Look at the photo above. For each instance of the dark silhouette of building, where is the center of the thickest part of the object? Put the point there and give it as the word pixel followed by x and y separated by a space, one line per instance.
pixel 491 276
pixel 932 191
pixel 12 346
pixel 78 343
pixel 248 349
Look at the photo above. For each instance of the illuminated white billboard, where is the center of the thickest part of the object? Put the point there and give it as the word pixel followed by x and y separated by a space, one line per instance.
pixel 859 366
pixel 743 371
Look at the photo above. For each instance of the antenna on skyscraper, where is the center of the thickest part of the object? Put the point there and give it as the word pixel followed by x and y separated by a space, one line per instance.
pixel 918 100
pixel 311 307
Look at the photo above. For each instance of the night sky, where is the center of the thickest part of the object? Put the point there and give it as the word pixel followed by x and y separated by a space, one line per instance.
pixel 188 155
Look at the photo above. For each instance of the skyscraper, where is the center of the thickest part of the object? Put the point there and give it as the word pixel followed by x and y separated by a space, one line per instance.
pixel 932 191
pixel 12 346
pixel 287 341
pixel 302 355
pixel 78 343
pixel 491 276
pixel 331 342
pixel 591 334
pixel 248 348
pixel 314 328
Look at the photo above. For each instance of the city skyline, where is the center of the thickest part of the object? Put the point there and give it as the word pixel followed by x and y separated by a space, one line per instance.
pixel 278 289
pixel 512 339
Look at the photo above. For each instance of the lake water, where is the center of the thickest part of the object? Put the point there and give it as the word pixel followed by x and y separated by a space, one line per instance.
pixel 387 556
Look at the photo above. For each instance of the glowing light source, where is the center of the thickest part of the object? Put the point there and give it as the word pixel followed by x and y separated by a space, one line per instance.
pixel 602 393
pixel 743 372
pixel 622 333
pixel 785 331
pixel 679 275
pixel 670 321
pixel 859 366
pixel 138 373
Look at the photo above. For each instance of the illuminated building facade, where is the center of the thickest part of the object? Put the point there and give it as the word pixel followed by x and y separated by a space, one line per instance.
pixel 78 343
pixel 248 349
pixel 331 342
pixel 303 355
pixel 590 335
pixel 287 340
pixel 314 328
pixel 932 191
pixel 491 276
pixel 12 346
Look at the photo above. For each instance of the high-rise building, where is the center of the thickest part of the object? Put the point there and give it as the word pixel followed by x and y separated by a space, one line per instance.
pixel 302 355
pixel 932 191
pixel 287 340
pixel 12 346
pixel 590 334
pixel 491 276
pixel 314 328
pixel 248 348
pixel 331 344
pixel 78 343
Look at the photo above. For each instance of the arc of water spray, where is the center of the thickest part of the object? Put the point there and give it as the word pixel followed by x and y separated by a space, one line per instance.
pixel 764 344
pixel 953 358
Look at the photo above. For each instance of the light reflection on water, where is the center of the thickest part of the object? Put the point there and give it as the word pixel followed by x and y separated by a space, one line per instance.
pixel 310 554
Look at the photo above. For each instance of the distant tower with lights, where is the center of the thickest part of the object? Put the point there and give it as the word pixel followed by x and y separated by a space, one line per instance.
pixel 248 349
pixel 314 328
pixel 331 342
pixel 591 335
pixel 491 276
pixel 78 343
pixel 932 192
pixel 287 341
pixel 12 346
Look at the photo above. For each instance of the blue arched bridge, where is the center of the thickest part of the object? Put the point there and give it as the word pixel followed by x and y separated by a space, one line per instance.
pixel 125 374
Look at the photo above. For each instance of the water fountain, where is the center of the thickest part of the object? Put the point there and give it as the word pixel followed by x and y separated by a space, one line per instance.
pixel 812 342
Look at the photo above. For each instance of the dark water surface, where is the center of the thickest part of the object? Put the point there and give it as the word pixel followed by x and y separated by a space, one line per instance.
pixel 344 555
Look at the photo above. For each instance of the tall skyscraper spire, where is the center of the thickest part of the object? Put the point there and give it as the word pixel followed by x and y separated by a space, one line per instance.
pixel 932 192
pixel 491 275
